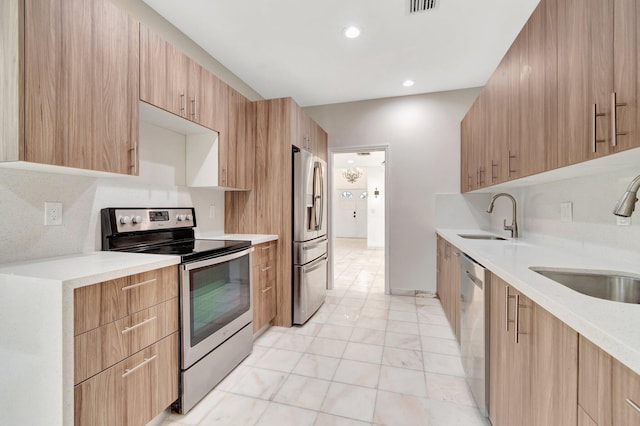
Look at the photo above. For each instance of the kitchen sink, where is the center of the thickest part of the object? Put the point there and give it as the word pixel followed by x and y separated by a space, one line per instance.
pixel 615 286
pixel 481 237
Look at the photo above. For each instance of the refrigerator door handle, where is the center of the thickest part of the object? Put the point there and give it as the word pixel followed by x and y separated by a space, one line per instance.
pixel 319 223
pixel 317 213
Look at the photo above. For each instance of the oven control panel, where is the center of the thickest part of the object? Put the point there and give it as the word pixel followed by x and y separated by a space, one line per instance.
pixel 139 219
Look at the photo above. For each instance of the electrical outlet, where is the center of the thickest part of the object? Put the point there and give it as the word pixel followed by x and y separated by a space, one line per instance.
pixel 566 212
pixel 52 213
pixel 623 221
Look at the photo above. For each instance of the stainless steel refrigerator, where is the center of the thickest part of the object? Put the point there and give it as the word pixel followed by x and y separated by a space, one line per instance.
pixel 310 258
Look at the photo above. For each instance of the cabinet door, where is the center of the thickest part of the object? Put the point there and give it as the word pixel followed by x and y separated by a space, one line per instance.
pixel 519 360
pixel 585 78
pixel 554 370
pixel 213 107
pixel 626 74
pixel 233 152
pixel 626 396
pixel 594 382
pixel 322 141
pixel 81 84
pixel 498 362
pixel 153 68
pixel 176 85
pixel 454 283
pixel 465 153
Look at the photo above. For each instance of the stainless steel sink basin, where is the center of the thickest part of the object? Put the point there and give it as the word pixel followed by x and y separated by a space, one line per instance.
pixel 481 237
pixel 616 286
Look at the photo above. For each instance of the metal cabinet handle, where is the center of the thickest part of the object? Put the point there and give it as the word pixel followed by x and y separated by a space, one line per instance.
pixel 511 156
pixel 140 324
pixel 194 106
pixel 267 247
pixel 614 119
pixel 183 104
pixel 633 405
pixel 264 290
pixel 142 364
pixel 129 287
pixel 265 269
pixel 518 333
pixel 134 166
pixel 494 166
pixel 594 127
pixel 469 183
pixel 506 309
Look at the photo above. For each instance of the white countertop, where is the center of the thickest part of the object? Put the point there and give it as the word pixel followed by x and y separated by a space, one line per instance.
pixel 613 326
pixel 85 269
pixel 254 238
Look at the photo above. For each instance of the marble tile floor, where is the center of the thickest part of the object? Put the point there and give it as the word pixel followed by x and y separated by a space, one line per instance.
pixel 365 358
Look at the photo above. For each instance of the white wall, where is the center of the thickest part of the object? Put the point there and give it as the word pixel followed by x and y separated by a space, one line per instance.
pixel 423 136
pixel 375 208
pixel 23 193
pixel 593 226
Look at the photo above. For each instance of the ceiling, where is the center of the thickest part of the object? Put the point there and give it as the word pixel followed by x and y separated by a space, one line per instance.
pixel 342 160
pixel 297 48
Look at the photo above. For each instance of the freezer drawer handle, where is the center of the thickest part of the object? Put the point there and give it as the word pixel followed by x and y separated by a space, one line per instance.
pixel 314 245
pixel 317 264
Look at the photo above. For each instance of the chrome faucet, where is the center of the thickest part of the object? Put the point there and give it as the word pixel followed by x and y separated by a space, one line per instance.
pixel 627 203
pixel 514 224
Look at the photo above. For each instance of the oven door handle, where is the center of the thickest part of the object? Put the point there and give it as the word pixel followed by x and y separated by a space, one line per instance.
pixel 216 260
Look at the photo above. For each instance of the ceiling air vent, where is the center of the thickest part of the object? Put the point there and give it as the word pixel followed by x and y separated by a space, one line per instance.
pixel 422 5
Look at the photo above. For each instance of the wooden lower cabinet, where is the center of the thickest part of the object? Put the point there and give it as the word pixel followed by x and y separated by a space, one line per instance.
pixel 625 396
pixel 264 284
pixel 448 283
pixel 133 391
pixel 533 362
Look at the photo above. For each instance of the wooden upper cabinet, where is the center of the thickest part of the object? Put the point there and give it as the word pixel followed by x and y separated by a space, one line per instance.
pixel 465 154
pixel 172 81
pixel 81 85
pixel 626 122
pixel 585 78
pixel 237 148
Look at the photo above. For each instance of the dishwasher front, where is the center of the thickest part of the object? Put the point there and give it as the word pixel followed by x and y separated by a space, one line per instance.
pixel 474 328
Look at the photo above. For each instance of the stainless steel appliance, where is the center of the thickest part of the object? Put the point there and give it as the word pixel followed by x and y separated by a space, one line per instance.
pixel 215 291
pixel 474 328
pixel 309 277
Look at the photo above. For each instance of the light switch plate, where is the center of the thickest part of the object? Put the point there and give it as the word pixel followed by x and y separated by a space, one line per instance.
pixel 566 212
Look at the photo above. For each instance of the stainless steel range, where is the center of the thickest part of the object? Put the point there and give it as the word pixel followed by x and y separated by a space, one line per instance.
pixel 215 291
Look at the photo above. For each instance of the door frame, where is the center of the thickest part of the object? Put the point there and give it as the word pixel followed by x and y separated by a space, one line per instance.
pixel 387 199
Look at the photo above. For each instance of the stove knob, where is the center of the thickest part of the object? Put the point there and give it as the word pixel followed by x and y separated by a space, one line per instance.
pixel 181 217
pixel 136 219
pixel 125 220
pixel 189 217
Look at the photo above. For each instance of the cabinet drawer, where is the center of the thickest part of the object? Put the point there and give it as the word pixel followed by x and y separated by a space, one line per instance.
pixel 266 274
pixel 265 252
pixel 107 345
pixel 105 302
pixel 133 391
pixel 626 396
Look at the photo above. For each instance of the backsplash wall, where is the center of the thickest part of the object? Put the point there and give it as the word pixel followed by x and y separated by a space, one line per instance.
pixel 593 226
pixel 23 235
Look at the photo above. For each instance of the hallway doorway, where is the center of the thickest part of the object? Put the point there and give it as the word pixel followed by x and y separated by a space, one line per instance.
pixel 358 203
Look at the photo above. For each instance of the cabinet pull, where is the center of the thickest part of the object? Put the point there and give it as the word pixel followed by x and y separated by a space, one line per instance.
pixel 140 324
pixel 469 184
pixel 506 308
pixel 594 128
pixel 265 269
pixel 194 105
pixel 633 405
pixel 494 166
pixel 183 104
pixel 481 173
pixel 511 156
pixel 517 325
pixel 614 119
pixel 267 247
pixel 129 287
pixel 134 166
pixel 142 364
pixel 264 290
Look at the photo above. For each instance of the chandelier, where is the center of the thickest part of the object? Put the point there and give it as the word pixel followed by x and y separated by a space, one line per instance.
pixel 352 174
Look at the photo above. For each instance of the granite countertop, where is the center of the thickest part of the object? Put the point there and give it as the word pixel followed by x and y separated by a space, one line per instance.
pixel 613 326
pixel 85 269
pixel 254 238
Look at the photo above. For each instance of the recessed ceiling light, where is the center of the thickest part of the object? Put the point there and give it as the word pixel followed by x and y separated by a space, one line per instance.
pixel 350 161
pixel 351 32
pixel 408 83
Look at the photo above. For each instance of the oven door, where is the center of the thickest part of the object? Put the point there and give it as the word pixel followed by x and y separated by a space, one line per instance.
pixel 215 301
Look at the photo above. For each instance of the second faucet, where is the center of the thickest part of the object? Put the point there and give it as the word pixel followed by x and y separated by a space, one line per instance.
pixel 514 223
